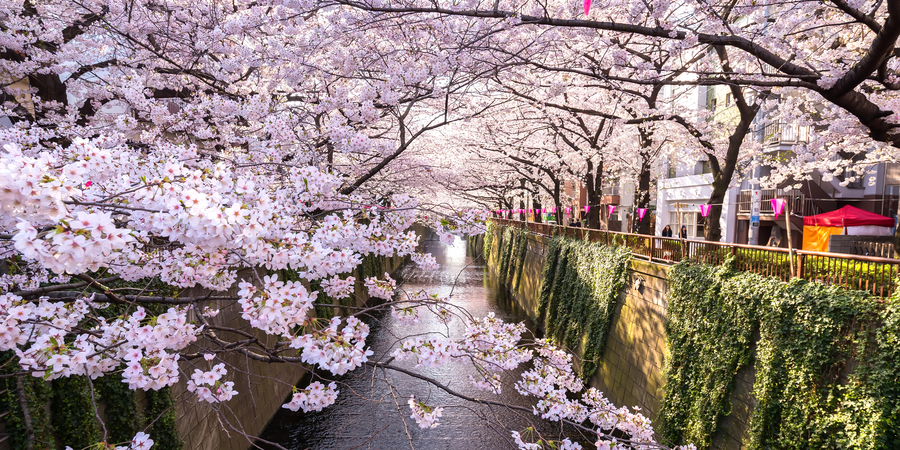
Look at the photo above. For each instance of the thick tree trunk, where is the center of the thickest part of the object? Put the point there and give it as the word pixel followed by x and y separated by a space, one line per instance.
pixel 558 211
pixel 642 199
pixel 536 205
pixel 722 175
pixel 594 183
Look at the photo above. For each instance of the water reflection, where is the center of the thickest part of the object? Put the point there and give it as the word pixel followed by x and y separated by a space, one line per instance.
pixel 372 411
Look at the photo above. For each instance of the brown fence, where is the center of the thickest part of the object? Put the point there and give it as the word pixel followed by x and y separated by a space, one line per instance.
pixel 872 274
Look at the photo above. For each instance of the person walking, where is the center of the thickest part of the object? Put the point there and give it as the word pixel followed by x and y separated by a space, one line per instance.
pixel 667 231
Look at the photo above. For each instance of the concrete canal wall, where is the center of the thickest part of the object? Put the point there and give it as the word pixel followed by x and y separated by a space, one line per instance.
pixel 630 372
pixel 263 387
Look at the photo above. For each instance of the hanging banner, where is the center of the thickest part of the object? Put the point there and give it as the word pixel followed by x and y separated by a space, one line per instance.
pixel 704 210
pixel 641 212
pixel 777 206
pixel 612 209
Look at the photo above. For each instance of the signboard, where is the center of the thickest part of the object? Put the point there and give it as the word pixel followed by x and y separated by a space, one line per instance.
pixel 755 200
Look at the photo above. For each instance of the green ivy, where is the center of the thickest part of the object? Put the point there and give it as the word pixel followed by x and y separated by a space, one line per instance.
pixel 37 394
pixel 712 316
pixel 120 408
pixel 488 244
pixel 160 415
pixel 73 412
pixel 581 285
pixel 827 361
pixel 809 393
pixel 513 246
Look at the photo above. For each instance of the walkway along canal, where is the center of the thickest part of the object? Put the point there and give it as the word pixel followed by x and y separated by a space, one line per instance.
pixel 372 411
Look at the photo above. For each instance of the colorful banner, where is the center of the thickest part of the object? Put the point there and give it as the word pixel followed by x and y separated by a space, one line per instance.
pixel 586 209
pixel 704 210
pixel 612 209
pixel 641 212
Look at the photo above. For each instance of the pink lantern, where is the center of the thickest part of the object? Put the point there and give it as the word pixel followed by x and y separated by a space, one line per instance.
pixel 777 206
pixel 568 210
pixel 704 210
pixel 641 212
pixel 538 211
pixel 586 209
pixel 587 7
pixel 530 211
pixel 612 209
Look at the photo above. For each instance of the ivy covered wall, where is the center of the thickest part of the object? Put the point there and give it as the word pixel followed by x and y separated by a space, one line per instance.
pixel 827 361
pixel 581 284
pixel 743 361
pixel 73 421
pixel 577 287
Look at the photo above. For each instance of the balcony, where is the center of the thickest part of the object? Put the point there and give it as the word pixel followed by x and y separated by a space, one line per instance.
pixel 800 204
pixel 782 133
pixel 611 196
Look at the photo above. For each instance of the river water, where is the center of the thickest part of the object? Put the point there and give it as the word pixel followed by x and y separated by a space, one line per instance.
pixel 372 411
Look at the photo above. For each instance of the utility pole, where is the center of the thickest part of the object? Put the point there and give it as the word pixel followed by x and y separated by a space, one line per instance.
pixel 755 200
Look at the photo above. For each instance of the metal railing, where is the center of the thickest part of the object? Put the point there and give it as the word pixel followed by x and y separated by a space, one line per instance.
pixel 799 203
pixel 780 132
pixel 872 274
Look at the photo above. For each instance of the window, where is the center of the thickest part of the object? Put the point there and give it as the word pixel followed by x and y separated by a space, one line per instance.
pixel 695 224
pixel 727 100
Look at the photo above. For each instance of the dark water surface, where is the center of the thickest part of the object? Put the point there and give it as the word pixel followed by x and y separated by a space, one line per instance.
pixel 367 416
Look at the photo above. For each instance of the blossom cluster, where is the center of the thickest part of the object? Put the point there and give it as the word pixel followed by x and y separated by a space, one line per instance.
pixel 383 289
pixel 141 441
pixel 208 385
pixel 315 397
pixel 336 350
pixel 337 287
pixel 278 307
pixel 427 352
pixel 565 444
pixel 424 415
pixel 425 261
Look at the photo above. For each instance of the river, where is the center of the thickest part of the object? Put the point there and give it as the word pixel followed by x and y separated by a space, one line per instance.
pixel 372 413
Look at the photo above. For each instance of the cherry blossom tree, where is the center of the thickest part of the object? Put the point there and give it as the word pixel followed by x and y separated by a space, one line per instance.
pixel 229 144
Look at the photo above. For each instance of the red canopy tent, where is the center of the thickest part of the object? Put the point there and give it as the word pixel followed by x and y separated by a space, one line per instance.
pixel 847 220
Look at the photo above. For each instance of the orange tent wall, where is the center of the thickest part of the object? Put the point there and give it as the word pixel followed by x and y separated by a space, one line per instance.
pixel 816 238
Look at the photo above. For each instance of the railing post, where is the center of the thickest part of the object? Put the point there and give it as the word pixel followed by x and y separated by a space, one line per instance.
pixel 652 247
pixel 799 266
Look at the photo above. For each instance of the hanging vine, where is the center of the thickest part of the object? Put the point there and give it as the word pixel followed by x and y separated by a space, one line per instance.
pixel 37 395
pixel 120 408
pixel 73 412
pixel 827 371
pixel 581 287
pixel 712 316
pixel 160 415
pixel 827 361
